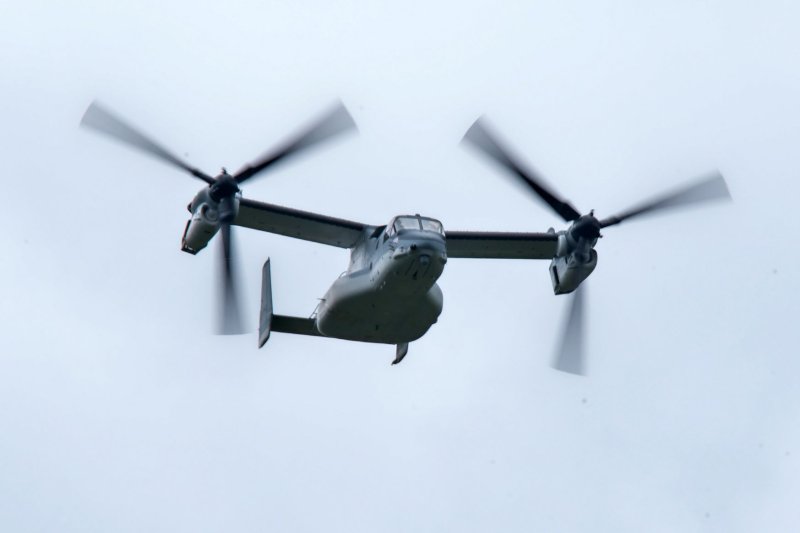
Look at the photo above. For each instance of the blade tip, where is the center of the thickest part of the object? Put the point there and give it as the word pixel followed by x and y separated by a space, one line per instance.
pixel 569 370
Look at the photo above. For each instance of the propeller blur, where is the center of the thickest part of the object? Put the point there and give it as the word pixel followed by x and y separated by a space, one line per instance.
pixel 575 258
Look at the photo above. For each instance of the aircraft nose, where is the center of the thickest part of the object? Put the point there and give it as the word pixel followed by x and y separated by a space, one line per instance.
pixel 422 256
pixel 428 247
pixel 432 249
pixel 419 266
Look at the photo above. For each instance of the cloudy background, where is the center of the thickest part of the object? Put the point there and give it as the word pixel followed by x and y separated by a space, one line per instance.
pixel 120 411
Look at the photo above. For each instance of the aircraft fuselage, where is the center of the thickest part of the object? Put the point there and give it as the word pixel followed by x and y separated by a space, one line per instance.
pixel 389 294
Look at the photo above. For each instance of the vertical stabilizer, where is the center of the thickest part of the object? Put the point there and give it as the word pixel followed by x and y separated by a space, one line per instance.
pixel 265 323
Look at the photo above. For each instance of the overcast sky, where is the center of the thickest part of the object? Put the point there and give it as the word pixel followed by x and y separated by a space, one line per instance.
pixel 122 412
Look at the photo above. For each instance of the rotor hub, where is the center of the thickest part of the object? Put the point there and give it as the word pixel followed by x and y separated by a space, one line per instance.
pixel 586 227
pixel 224 186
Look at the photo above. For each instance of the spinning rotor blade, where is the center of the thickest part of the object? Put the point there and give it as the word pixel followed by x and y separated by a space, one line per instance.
pixel 712 187
pixel 570 353
pixel 103 121
pixel 334 122
pixel 230 322
pixel 481 138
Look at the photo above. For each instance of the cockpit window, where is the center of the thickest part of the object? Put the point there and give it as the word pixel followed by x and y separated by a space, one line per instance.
pixel 401 223
pixel 417 223
pixel 432 225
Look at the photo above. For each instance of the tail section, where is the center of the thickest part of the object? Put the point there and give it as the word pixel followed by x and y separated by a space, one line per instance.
pixel 298 326
pixel 270 322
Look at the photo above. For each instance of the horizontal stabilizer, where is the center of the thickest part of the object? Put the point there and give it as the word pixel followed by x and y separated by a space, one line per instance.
pixel 298 326
pixel 280 323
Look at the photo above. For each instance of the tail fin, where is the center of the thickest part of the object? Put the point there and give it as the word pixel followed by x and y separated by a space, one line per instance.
pixel 265 322
pixel 284 324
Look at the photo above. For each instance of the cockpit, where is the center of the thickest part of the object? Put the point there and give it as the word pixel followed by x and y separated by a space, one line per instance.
pixel 416 222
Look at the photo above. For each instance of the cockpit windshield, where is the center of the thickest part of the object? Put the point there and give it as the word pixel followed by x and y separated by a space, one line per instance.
pixel 432 225
pixel 417 223
pixel 401 223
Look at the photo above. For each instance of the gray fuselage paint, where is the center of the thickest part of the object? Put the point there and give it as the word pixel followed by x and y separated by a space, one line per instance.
pixel 389 292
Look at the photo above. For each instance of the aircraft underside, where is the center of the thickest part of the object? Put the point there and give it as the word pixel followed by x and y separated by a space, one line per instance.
pixel 357 308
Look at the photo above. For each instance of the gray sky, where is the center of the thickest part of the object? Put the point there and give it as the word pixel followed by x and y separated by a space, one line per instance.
pixel 121 412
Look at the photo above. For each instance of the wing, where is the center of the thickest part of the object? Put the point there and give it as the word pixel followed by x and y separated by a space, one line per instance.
pixel 298 224
pixel 501 245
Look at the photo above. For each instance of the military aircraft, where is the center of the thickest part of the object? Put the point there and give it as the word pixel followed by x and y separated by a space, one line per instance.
pixel 388 294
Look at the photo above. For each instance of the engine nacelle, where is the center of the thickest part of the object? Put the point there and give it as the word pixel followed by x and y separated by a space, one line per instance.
pixel 568 272
pixel 208 215
pixel 205 222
